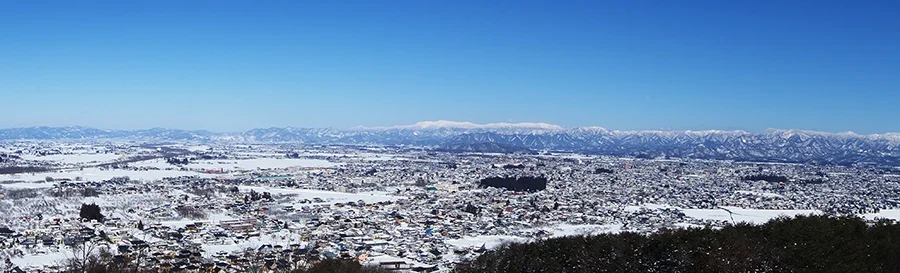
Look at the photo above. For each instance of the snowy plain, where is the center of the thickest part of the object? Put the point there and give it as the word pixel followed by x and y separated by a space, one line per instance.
pixel 96 174
pixel 260 163
pixel 330 197
pixel 488 241
pixel 892 214
pixel 753 216
pixel 75 158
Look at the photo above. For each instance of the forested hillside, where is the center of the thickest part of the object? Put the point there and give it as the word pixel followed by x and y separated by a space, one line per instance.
pixel 802 244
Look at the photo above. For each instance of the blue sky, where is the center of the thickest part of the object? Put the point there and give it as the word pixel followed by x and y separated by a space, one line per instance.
pixel 234 65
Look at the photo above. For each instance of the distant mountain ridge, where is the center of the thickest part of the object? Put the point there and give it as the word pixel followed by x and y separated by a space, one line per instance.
pixel 770 145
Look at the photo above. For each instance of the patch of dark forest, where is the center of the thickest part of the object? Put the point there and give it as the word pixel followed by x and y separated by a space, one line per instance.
pixel 802 244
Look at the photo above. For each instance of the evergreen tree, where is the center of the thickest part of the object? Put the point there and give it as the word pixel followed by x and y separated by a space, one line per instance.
pixel 91 212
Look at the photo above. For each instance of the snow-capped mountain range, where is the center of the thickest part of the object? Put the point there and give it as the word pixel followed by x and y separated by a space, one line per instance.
pixel 468 125
pixel 770 145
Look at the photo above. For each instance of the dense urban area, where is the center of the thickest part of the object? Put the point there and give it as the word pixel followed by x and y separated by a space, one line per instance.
pixel 278 207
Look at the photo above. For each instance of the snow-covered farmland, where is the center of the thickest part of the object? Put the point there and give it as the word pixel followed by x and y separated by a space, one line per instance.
pixel 330 197
pixel 76 158
pixel 488 241
pixel 259 163
pixel 754 216
pixel 96 174
pixel 762 194
pixel 283 237
pixel 563 230
pixel 892 214
pixel 211 219
pixel 18 212
pixel 50 258
pixel 27 185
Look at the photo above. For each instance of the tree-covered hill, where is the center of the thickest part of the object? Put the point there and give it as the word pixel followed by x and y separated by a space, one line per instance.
pixel 802 244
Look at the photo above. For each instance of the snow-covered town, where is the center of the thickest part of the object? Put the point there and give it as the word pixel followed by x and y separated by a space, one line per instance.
pixel 229 207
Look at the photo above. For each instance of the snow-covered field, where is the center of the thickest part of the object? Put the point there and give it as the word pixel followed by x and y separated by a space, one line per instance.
pixel 763 194
pixel 283 238
pixel 56 257
pixel 754 216
pixel 211 219
pixel 488 241
pixel 647 206
pixel 892 214
pixel 95 174
pixel 15 213
pixel 28 185
pixel 76 158
pixel 159 163
pixel 563 230
pixel 262 163
pixel 368 156
pixel 330 197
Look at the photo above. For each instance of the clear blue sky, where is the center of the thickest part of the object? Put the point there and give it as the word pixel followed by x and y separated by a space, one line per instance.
pixel 233 65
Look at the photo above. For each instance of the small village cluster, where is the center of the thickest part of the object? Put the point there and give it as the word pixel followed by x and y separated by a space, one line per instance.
pixel 231 208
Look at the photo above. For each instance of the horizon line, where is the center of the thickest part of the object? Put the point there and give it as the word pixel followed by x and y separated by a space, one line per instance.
pixel 435 125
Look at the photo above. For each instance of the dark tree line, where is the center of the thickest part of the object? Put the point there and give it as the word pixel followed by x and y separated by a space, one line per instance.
pixel 340 266
pixel 8 157
pixel 525 183
pixel 178 161
pixel 105 262
pixel 191 212
pixel 767 177
pixel 802 244
pixel 19 169
pixel 472 209
pixel 255 196
pixel 813 181
pixel 6 230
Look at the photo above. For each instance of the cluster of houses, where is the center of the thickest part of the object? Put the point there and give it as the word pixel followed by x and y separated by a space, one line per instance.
pixel 408 211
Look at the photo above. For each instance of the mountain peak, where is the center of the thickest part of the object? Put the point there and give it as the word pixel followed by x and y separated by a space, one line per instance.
pixel 772 145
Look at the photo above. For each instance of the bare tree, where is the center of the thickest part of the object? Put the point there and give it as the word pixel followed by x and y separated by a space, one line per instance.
pixel 82 255
pixel 191 212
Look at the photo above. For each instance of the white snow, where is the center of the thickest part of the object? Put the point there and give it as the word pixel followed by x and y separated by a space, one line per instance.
pixel 53 257
pixel 763 194
pixel 687 225
pixel 647 206
pixel 41 260
pixel 489 241
pixel 469 125
pixel 563 230
pixel 264 163
pixel 75 158
pixel 893 214
pixel 198 148
pixel 331 197
pixel 95 174
pixel 754 216
pixel 28 185
pixel 211 219
pixel 153 163
pixel 283 238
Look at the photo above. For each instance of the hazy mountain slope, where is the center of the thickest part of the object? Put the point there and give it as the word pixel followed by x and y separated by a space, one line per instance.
pixel 771 145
